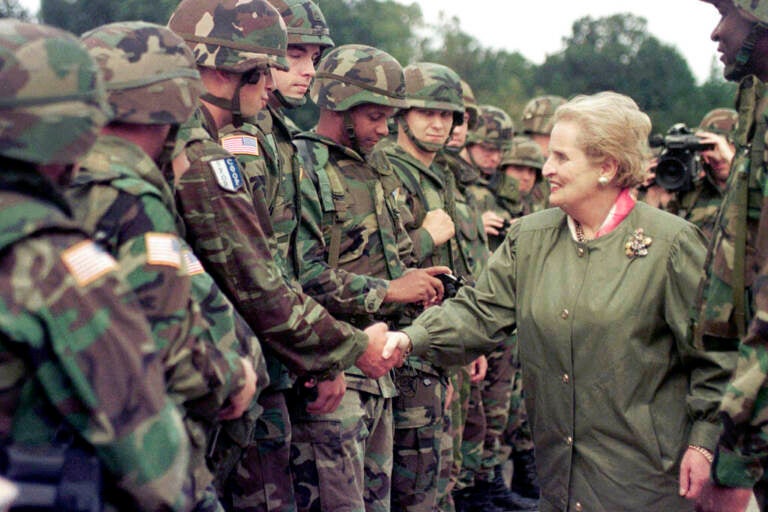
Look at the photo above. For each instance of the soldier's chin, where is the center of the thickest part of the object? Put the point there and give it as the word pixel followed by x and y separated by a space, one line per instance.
pixel 734 72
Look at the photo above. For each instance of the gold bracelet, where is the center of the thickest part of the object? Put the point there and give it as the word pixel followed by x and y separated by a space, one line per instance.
pixel 706 453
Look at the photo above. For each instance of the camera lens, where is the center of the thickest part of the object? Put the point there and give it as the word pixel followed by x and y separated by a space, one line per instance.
pixel 671 173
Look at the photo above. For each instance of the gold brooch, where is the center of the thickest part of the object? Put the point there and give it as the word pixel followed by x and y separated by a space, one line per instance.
pixel 637 245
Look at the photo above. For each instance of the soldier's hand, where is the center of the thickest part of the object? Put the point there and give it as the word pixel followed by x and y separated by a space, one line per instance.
pixel 239 402
pixel 492 222
pixel 439 225
pixel 714 498
pixel 477 369
pixel 371 362
pixel 720 156
pixel 417 285
pixel 329 395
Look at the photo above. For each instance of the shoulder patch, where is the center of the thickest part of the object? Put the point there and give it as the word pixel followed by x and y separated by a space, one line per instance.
pixel 227 172
pixel 87 262
pixel 194 267
pixel 241 144
pixel 163 249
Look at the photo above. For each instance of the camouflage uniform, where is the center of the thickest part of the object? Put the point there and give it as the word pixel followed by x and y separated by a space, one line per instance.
pixel 537 119
pixel 732 298
pixel 423 445
pixel 76 354
pixel 228 223
pixel 700 204
pixel 351 201
pixel 122 197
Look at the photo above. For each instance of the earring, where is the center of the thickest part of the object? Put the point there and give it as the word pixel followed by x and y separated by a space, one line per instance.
pixel 603 180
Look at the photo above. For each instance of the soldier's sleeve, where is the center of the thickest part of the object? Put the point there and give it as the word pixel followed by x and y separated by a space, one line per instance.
pixel 709 370
pixel 476 320
pixel 743 445
pixel 78 326
pixel 341 292
pixel 412 214
pixel 228 225
pixel 152 260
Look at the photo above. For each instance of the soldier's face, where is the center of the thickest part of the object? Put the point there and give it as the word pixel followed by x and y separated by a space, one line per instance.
pixel 526 176
pixel 729 34
pixel 459 133
pixel 369 122
pixel 254 96
pixel 295 82
pixel 429 125
pixel 486 156
pixel 571 174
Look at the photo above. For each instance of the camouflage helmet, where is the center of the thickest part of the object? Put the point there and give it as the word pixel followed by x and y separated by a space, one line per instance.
pixel 305 22
pixel 436 87
pixel 494 127
pixel 524 152
pixel 355 74
pixel 470 104
pixel 720 120
pixel 232 35
pixel 52 98
pixel 538 113
pixel 755 10
pixel 149 72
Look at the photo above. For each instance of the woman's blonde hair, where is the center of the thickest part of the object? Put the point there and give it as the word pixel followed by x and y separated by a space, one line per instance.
pixel 611 126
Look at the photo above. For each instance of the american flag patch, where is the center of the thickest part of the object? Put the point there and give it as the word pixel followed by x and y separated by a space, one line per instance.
pixel 241 144
pixel 163 249
pixel 194 267
pixel 87 262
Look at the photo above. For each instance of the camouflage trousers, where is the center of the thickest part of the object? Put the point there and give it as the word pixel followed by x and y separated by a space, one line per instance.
pixel 342 461
pixel 251 459
pixel 201 478
pixel 418 444
pixel 497 393
pixel 452 438
pixel 517 436
pixel 474 437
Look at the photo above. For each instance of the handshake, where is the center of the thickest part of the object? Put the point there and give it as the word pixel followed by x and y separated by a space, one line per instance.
pixel 386 350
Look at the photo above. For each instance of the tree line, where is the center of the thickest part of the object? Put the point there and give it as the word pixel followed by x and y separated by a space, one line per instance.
pixel 614 52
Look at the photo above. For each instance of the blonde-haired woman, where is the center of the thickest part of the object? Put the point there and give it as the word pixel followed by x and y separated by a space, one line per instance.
pixel 623 407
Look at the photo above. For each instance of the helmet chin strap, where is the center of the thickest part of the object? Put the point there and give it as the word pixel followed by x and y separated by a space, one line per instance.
pixel 427 147
pixel 740 68
pixel 349 128
pixel 232 104
pixel 166 155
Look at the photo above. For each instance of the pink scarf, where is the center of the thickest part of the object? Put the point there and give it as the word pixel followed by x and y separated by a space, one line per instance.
pixel 618 212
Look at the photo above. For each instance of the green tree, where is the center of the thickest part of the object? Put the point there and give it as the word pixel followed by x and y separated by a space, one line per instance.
pixel 497 78
pixel 78 16
pixel 13 9
pixel 617 53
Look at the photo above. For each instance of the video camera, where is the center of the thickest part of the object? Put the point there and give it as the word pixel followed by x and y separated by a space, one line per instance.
pixel 679 162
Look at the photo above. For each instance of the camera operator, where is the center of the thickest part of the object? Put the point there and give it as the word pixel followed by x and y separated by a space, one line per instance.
pixel 695 169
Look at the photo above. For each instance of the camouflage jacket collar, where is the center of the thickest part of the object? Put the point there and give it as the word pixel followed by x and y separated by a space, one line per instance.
pixel 433 172
pixel 333 145
pixel 466 174
pixel 751 101
pixel 23 179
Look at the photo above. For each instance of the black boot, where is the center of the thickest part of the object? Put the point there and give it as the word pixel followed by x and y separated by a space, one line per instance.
pixel 524 481
pixel 474 499
pixel 503 497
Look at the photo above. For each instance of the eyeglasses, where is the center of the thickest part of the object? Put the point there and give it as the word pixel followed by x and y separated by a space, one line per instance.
pixel 252 76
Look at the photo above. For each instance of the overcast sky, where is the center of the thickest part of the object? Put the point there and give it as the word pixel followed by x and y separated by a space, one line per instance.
pixel 536 28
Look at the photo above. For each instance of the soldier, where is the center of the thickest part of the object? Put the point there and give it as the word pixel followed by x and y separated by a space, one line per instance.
pixel 435 105
pixel 357 89
pixel 732 297
pixel 121 196
pixel 80 372
pixel 227 220
pixel 699 205
pixel 537 117
pixel 484 149
pixel 523 162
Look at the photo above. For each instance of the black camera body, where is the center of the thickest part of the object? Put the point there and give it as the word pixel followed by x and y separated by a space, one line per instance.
pixel 679 162
pixel 451 284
